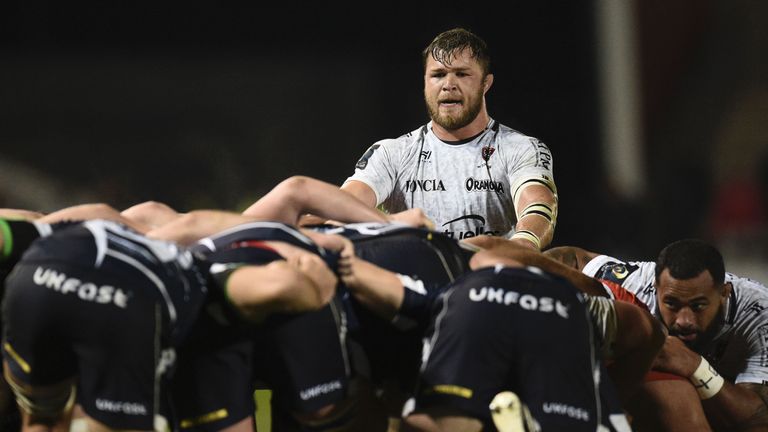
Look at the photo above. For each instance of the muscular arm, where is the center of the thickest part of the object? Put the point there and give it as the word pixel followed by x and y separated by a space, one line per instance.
pixel 92 211
pixel 301 283
pixel 152 214
pixel 299 195
pixel 571 256
pixel 539 221
pixel 511 251
pixel 21 214
pixel 739 407
pixel 361 191
pixel 639 337
pixel 736 407
pixel 191 227
pixel 378 289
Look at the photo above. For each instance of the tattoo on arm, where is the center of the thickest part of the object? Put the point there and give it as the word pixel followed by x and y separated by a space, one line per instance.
pixel 760 416
pixel 565 255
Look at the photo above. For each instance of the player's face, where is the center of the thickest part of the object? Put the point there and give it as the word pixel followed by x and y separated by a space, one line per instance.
pixel 689 307
pixel 454 92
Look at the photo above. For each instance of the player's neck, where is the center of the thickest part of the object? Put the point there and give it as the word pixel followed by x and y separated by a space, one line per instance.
pixel 472 129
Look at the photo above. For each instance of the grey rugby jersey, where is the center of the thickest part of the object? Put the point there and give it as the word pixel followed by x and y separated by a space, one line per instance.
pixel 465 188
pixel 739 351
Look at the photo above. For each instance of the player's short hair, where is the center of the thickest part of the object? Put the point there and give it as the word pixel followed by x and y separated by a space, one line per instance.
pixel 445 46
pixel 686 259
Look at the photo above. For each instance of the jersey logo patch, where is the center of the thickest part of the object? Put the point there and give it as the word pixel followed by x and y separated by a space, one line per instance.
pixel 616 272
pixel 620 271
pixel 363 162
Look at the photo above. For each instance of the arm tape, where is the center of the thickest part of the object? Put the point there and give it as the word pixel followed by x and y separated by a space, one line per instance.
pixel 539 209
pixel 519 187
pixel 706 380
pixel 528 235
pixel 417 301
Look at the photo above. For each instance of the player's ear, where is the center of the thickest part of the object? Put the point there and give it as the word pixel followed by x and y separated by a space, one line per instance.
pixel 726 291
pixel 487 82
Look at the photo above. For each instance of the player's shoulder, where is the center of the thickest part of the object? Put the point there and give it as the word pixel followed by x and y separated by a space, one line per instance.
pixel 749 290
pixel 746 283
pixel 508 136
pixel 624 273
pixel 593 266
pixel 404 139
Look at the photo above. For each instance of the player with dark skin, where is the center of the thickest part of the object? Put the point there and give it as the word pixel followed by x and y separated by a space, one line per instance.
pixel 692 297
pixel 637 337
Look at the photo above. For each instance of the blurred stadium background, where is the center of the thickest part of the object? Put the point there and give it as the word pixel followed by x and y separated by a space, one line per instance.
pixel 656 111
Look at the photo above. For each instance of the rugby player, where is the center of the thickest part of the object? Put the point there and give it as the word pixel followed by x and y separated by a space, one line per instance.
pixel 76 317
pixel 469 173
pixel 386 328
pixel 513 327
pixel 627 333
pixel 316 395
pixel 717 324
pixel 280 203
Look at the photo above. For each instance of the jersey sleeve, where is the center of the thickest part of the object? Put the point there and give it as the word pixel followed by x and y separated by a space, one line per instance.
pixel 418 302
pixel 617 292
pixel 532 164
pixel 594 267
pixel 378 168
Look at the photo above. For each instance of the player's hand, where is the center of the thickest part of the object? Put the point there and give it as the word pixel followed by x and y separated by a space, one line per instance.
pixel 414 217
pixel 346 260
pixel 676 358
pixel 333 242
pixel 312 266
pixel 347 272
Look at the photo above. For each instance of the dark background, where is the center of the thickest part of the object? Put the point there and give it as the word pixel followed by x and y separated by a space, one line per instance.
pixel 210 104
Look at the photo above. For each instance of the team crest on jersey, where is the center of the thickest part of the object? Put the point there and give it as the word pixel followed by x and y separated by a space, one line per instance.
pixel 487 152
pixel 620 271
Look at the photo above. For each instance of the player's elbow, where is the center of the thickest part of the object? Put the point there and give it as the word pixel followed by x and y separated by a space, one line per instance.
pixel 295 185
pixel 294 190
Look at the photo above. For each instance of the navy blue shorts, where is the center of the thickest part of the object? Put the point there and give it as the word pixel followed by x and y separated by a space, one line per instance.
pixel 513 329
pixel 103 306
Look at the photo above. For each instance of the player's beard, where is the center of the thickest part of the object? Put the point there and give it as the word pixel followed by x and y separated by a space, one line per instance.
pixel 705 336
pixel 469 112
